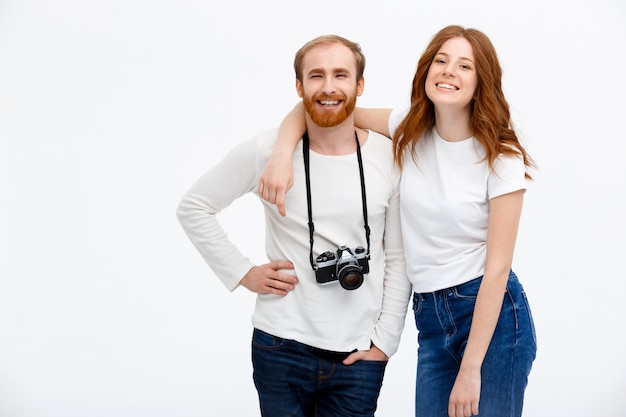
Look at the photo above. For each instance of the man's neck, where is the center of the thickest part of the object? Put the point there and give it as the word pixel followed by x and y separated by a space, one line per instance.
pixel 336 140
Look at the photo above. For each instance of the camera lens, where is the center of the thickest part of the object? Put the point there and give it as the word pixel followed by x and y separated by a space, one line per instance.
pixel 350 277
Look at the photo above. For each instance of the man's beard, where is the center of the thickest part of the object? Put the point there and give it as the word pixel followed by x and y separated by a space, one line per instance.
pixel 328 119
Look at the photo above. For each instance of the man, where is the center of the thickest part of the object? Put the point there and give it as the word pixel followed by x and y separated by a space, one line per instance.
pixel 321 338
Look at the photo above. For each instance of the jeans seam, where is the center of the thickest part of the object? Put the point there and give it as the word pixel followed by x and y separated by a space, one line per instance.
pixel 515 312
pixel 450 335
pixel 530 317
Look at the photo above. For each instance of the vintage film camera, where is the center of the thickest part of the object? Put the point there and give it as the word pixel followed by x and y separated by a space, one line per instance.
pixel 346 266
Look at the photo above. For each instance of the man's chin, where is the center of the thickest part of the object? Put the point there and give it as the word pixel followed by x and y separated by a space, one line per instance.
pixel 323 118
pixel 328 119
pixel 326 122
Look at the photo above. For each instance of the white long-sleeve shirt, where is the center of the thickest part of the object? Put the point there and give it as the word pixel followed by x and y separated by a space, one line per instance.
pixel 324 316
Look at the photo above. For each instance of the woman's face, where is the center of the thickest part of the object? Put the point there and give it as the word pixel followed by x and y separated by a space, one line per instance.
pixel 451 81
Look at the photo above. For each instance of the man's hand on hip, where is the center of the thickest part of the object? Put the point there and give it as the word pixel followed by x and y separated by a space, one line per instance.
pixel 267 278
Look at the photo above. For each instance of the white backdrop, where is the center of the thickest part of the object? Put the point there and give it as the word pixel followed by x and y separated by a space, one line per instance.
pixel 111 109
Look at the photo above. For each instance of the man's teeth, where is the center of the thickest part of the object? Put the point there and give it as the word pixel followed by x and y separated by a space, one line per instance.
pixel 329 102
pixel 448 86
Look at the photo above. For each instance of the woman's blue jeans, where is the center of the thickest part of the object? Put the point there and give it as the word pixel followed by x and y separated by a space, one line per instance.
pixel 293 379
pixel 443 320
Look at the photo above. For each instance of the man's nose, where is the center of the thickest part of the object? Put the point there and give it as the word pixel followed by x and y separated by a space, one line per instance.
pixel 329 86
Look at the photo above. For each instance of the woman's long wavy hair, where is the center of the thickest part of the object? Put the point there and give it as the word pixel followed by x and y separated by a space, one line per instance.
pixel 490 116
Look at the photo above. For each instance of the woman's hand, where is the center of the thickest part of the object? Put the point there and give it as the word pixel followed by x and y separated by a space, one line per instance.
pixel 276 179
pixel 465 394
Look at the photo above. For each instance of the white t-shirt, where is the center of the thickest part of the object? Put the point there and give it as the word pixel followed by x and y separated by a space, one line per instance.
pixel 324 316
pixel 444 207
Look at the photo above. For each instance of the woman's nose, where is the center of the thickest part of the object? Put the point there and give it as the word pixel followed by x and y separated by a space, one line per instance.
pixel 449 70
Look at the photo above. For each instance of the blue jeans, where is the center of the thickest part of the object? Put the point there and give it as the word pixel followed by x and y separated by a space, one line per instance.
pixel 443 320
pixel 293 379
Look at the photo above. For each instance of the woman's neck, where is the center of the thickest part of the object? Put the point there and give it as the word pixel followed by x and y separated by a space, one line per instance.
pixel 453 126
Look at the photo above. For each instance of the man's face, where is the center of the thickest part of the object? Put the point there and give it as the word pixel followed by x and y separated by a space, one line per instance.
pixel 329 87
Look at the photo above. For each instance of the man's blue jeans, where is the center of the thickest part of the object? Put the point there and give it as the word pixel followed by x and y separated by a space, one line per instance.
pixel 293 379
pixel 443 320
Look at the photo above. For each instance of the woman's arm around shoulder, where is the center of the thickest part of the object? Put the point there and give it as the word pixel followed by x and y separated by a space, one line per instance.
pixel 277 176
pixel 373 119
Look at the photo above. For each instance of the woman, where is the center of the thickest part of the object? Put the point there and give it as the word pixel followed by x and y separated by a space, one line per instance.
pixel 464 175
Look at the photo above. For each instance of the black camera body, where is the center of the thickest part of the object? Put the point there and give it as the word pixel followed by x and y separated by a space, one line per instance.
pixel 345 266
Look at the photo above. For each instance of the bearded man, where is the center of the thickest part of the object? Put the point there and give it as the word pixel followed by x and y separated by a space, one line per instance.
pixel 333 296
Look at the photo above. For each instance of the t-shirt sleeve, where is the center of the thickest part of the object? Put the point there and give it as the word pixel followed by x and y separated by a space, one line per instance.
pixel 396 116
pixel 508 176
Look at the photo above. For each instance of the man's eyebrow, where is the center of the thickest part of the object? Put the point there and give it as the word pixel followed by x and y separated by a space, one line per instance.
pixel 334 70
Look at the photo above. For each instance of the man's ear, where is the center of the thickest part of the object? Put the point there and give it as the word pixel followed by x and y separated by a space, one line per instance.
pixel 360 86
pixel 299 88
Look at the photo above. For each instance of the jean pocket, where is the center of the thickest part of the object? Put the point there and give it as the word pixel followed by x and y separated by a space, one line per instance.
pixel 372 363
pixel 467 291
pixel 266 341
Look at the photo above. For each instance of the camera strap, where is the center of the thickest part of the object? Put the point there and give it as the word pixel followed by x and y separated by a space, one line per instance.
pixel 305 152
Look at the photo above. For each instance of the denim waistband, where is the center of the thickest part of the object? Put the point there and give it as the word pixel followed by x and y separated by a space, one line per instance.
pixel 460 287
pixel 329 355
